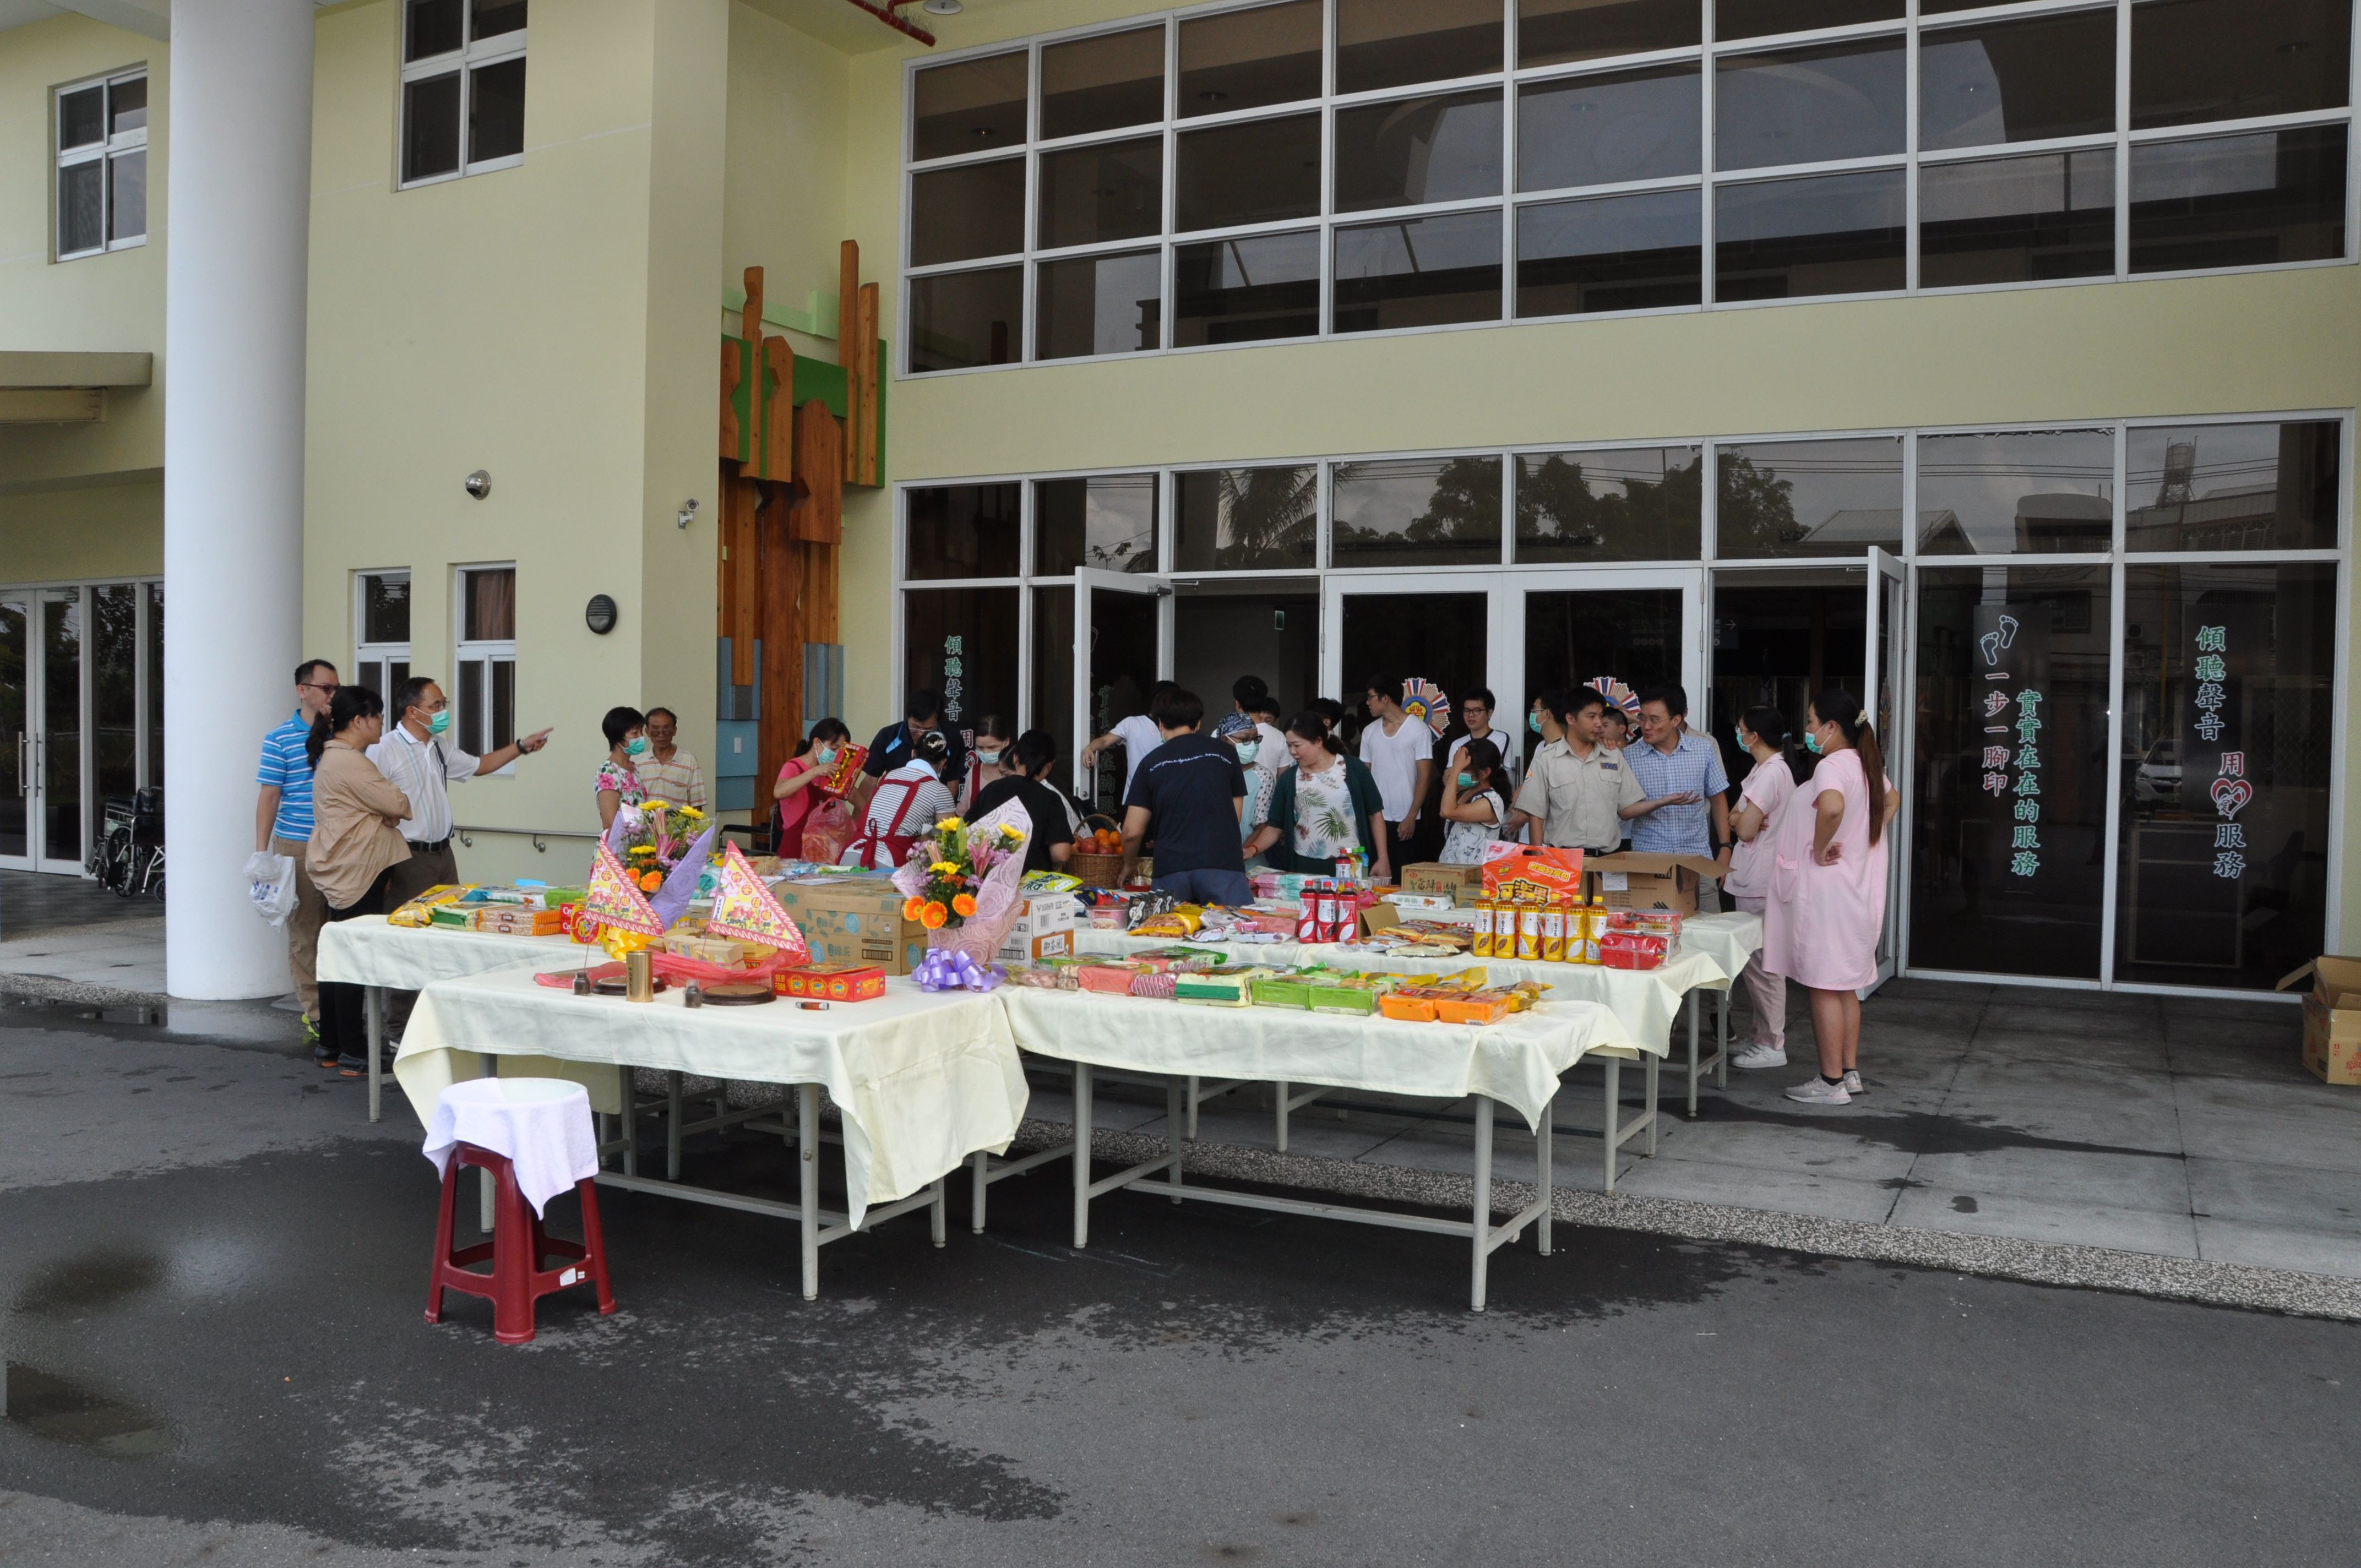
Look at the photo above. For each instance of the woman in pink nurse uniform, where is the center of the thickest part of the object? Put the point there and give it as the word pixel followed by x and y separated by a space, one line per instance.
pixel 1826 905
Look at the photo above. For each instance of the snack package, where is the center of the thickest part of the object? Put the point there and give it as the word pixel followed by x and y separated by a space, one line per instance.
pixel 1632 950
pixel 1108 979
pixel 1158 987
pixel 1528 870
pixel 1218 988
pixel 1473 1007
pixel 417 910
pixel 831 982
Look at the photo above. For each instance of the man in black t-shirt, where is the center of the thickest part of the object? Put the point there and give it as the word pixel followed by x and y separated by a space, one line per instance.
pixel 1188 795
pixel 892 747
pixel 1052 843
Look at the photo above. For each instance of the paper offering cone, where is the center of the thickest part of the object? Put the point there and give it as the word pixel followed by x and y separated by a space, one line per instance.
pixel 614 899
pixel 745 910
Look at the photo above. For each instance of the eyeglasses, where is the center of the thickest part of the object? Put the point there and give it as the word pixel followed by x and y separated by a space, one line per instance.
pixel 329 687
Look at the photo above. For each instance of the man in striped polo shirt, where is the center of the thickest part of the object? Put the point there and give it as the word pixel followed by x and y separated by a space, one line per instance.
pixel 282 823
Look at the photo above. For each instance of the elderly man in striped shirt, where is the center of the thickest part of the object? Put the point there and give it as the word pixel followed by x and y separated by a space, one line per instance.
pixel 282 824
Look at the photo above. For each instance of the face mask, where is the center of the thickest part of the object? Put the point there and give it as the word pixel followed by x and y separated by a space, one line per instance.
pixel 989 759
pixel 636 747
pixel 1249 750
pixel 439 723
pixel 1533 722
pixel 1812 742
pixel 1467 780
pixel 1740 736
pixel 825 756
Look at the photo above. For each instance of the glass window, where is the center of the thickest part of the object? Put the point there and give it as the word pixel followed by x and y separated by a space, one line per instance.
pixel 958 318
pixel 485 659
pixel 127 196
pixel 1245 289
pixel 496 111
pixel 1418 272
pixel 1390 43
pixel 973 105
pixel 1810 498
pixel 2241 200
pixel 1244 59
pixel 1417 512
pixel 430 126
pixel 436 26
pixel 1107 191
pixel 2015 220
pixel 1235 520
pixel 2229 702
pixel 1830 233
pixel 1250 174
pixel 1417 150
pixel 495 16
pixel 2022 492
pixel 1757 18
pixel 489 612
pixel 2194 60
pixel 2022 81
pixel 1601 130
pixel 1631 635
pixel 114 689
pixel 81 117
pixel 126 105
pixel 1053 667
pixel 2010 774
pixel 2231 487
pixel 960 530
pixel 961 642
pixel 463 81
pixel 1107 522
pixel 81 206
pixel 1610 253
pixel 156 683
pixel 1558 32
pixel 385 607
pixel 1637 503
pixel 1099 304
pixel 971 211
pixel 1809 105
pixel 1101 84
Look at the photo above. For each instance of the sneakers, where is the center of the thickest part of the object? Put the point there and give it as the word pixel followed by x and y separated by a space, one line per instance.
pixel 1759 1054
pixel 1852 1082
pixel 1817 1091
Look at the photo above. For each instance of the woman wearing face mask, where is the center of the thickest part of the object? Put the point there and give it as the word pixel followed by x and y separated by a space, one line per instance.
pixel 1472 805
pixel 1261 762
pixel 1763 803
pixel 1322 807
pixel 800 790
pixel 356 817
pixel 1827 904
pixel 618 777
pixel 988 759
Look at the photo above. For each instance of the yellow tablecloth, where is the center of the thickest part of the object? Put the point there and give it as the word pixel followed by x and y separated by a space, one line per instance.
pixel 365 950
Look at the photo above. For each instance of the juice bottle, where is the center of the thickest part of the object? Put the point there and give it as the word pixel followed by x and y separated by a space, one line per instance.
pixel 1553 932
pixel 1481 946
pixel 1528 931
pixel 1594 926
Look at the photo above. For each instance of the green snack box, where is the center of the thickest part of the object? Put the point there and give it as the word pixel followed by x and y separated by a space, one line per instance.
pixel 451 915
pixel 1283 991
pixel 1215 990
pixel 1358 1001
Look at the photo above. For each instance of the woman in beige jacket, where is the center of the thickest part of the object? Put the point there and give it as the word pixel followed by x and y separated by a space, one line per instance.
pixel 356 817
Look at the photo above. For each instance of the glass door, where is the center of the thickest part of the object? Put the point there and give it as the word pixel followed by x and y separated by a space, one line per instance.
pixel 59 809
pixel 1634 627
pixel 1126 622
pixel 16 806
pixel 1885 657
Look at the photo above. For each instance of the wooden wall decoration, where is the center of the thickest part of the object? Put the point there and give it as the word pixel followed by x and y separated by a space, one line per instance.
pixel 794 431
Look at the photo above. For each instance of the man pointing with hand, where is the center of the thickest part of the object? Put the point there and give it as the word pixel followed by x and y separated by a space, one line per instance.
pixel 417 755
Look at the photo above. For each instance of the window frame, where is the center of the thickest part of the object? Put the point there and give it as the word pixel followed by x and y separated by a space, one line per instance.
pixel 1510 80
pixel 110 146
pixel 491 652
pixel 365 651
pixel 471 56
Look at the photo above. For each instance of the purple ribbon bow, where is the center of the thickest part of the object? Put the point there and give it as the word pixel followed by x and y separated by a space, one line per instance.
pixel 943 970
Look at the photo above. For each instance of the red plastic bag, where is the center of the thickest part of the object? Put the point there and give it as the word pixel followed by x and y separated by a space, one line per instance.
pixel 833 824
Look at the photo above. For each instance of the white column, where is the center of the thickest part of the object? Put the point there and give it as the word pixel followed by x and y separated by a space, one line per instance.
pixel 238 237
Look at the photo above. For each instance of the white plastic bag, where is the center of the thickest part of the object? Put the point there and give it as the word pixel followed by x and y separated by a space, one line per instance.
pixel 270 884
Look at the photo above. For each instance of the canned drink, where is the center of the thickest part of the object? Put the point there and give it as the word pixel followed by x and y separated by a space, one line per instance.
pixel 1553 934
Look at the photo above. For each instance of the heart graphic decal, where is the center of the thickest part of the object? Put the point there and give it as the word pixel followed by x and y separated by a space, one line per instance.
pixel 2230 795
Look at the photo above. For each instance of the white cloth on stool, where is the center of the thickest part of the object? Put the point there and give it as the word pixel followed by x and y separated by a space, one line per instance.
pixel 541 1125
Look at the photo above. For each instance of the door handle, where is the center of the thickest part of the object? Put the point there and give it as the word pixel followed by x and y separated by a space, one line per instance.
pixel 24 771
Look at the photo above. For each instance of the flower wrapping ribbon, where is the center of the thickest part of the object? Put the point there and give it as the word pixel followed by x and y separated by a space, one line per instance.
pixel 945 969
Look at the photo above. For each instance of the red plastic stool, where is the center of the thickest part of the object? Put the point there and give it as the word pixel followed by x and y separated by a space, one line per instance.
pixel 518 1249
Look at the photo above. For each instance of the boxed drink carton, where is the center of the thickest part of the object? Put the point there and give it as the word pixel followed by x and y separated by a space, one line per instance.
pixel 854 920
pixel 2332 1018
pixel 1020 950
pixel 1461 885
pixel 1048 912
pixel 1631 881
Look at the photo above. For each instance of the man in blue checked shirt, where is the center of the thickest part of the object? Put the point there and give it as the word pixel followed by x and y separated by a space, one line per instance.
pixel 1687 808
pixel 282 824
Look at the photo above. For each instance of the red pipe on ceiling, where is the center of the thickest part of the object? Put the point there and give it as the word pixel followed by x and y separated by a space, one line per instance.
pixel 885 15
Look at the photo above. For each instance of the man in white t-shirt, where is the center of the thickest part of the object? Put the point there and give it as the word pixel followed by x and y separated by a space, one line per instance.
pixel 1137 735
pixel 1399 751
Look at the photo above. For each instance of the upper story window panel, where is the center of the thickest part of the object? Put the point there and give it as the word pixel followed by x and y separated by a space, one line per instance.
pixel 1247 59
pixel 102 165
pixel 1760 18
pixel 1405 154
pixel 972 105
pixel 1392 43
pixel 2027 79
pixel 1605 128
pixel 1810 105
pixel 2199 60
pixel 1561 32
pixel 462 88
pixel 1102 83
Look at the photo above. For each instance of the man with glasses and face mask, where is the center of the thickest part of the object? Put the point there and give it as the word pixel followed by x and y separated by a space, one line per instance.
pixel 282 824
pixel 667 772
pixel 418 757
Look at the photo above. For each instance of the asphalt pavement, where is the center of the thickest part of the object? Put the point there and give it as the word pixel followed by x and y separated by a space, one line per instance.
pixel 211 1271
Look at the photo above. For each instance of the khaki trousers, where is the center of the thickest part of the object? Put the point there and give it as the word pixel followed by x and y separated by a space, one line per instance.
pixel 303 924
pixel 424 868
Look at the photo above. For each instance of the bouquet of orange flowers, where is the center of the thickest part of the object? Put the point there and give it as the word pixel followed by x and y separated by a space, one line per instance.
pixel 651 839
pixel 947 874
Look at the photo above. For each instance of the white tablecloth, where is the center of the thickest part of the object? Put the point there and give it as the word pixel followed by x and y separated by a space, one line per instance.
pixel 365 950
pixel 540 1126
pixel 924 1081
pixel 1713 950
pixel 1517 1061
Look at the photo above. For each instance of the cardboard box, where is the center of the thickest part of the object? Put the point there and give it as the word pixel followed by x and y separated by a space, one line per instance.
pixel 1461 885
pixel 830 983
pixel 1033 950
pixel 854 920
pixel 2332 1018
pixel 1050 912
pixel 1630 881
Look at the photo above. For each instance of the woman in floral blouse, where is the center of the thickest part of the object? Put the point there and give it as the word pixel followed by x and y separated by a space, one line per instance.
pixel 619 779
pixel 1323 808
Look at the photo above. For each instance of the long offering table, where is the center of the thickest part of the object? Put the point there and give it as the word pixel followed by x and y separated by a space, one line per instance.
pixel 923 1080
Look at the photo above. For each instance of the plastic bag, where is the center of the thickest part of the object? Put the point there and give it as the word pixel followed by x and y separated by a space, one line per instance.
pixel 270 884
pixel 833 824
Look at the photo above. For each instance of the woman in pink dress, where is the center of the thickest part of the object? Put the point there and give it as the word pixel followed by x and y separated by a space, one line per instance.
pixel 1826 905
pixel 1779 767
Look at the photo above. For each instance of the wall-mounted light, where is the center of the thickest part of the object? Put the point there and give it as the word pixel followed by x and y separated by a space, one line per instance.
pixel 479 483
pixel 942 8
pixel 687 513
pixel 598 615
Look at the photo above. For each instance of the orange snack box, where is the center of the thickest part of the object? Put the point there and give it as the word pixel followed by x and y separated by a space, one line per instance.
pixel 831 982
pixel 1411 1006
pixel 1527 871
pixel 1473 1007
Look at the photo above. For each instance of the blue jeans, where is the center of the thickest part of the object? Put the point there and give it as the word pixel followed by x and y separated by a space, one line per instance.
pixel 1207 887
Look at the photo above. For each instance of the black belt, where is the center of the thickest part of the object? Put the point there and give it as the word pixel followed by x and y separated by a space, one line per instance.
pixel 418 845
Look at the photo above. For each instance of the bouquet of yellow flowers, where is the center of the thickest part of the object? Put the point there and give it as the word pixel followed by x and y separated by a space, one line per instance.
pixel 947 872
pixel 655 837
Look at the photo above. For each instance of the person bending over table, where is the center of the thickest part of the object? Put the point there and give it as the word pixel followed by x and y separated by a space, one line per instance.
pixel 1325 806
pixel 1191 792
pixel 1052 844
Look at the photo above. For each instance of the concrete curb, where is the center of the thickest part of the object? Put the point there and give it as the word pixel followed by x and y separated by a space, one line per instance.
pixel 75 992
pixel 1999 1257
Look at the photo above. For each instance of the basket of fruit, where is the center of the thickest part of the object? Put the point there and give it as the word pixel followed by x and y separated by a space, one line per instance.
pixel 1098 854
